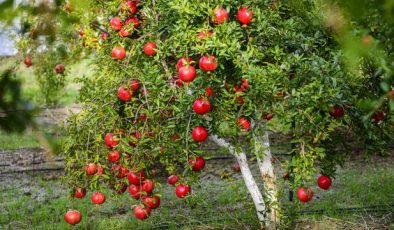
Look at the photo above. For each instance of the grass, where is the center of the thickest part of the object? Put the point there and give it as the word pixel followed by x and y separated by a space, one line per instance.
pixel 18 140
pixel 215 204
pixel 174 213
pixel 30 139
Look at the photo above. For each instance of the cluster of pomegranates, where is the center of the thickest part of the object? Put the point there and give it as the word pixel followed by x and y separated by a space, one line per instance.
pixel 306 194
pixel 139 187
pixel 125 27
pixel 244 15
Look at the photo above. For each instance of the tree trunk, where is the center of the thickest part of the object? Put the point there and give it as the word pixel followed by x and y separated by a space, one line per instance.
pixel 264 161
pixel 248 178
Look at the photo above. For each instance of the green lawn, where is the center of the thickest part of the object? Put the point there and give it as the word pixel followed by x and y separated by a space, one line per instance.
pixel 16 140
pixel 29 139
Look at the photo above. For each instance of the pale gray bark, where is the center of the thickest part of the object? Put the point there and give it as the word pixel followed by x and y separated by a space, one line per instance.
pixel 264 161
pixel 247 176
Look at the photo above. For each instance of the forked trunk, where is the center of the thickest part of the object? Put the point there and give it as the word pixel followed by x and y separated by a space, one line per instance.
pixel 248 178
pixel 264 161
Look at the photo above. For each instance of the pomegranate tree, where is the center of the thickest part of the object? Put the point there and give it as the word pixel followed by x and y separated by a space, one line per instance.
pixel 167 79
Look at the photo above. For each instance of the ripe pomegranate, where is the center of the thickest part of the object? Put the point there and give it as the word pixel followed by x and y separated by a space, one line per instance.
pixel 143 117
pixel 73 217
pixel 209 91
pixel 141 212
pixel 136 22
pixel 113 156
pixel 173 179
pixel 124 33
pixel 178 81
pixel 208 63
pixel 268 117
pixel 183 62
pixel 120 171
pixel 124 94
pixel 244 16
pixel 152 202
pixel 148 186
pixel 201 106
pixel 337 112
pixel 238 88
pixel 104 35
pixel 91 169
pixel 304 195
pixel 236 167
pixel 240 100
pixel 100 170
pixel 150 48
pixel 59 68
pixel 378 116
pixel 220 15
pixel 324 182
pixel 110 140
pixel 130 7
pixel 187 73
pixel 27 61
pixel 134 84
pixel 79 193
pixel 134 137
pixel 182 190
pixel 116 23
pixel 98 198
pixel 197 164
pixel 244 123
pixel 136 178
pixel 204 34
pixel 118 53
pixel 135 191
pixel 199 134
pixel 245 83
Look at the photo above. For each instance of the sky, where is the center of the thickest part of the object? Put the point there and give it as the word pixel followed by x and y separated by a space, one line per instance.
pixel 6 44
